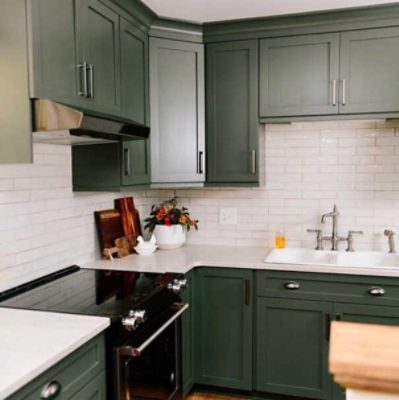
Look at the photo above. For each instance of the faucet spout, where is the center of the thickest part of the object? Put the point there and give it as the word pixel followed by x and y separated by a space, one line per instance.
pixel 334 236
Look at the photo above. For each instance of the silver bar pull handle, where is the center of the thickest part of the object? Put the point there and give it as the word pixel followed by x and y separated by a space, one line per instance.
pixel 126 153
pixel 91 80
pixel 200 162
pixel 136 351
pixel 334 93
pixel 344 92
pixel 253 162
pixel 82 79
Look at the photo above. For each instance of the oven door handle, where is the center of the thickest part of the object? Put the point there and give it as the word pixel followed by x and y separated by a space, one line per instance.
pixel 136 351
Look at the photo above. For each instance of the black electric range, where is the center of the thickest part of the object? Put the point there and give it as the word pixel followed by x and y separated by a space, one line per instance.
pixel 143 340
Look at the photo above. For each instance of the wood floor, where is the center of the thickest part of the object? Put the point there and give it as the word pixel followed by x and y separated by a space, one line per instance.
pixel 196 395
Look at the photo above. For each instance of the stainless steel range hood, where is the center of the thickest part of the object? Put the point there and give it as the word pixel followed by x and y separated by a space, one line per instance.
pixel 59 124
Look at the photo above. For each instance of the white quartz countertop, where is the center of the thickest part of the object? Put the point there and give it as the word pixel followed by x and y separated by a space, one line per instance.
pixel 190 256
pixel 33 341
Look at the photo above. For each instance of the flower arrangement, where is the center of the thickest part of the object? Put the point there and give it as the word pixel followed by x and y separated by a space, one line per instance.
pixel 170 213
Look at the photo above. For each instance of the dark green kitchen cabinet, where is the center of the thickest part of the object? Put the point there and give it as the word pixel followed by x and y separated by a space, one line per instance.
pixel 177 111
pixel 232 113
pixel 223 322
pixel 369 73
pixel 98 56
pixel 134 72
pixel 299 75
pixel 52 67
pixel 187 335
pixel 292 347
pixel 79 376
pixel 110 167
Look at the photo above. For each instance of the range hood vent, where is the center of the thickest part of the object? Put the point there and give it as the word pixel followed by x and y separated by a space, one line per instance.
pixel 52 121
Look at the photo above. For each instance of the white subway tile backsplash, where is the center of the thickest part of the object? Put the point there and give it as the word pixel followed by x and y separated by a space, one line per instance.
pixel 305 168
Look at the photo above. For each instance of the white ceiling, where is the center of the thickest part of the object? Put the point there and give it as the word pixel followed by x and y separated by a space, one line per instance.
pixel 218 10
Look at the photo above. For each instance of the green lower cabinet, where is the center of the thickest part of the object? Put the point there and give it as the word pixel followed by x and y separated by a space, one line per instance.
pixel 364 314
pixel 187 336
pixel 223 321
pixel 292 347
pixel 79 376
pixel 110 167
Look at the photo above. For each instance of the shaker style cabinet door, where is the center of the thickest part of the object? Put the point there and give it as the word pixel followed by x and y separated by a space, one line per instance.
pixel 135 162
pixel 134 72
pixel 299 75
pixel 292 347
pixel 98 54
pixel 177 111
pixel 232 112
pixel 53 67
pixel 223 328
pixel 369 71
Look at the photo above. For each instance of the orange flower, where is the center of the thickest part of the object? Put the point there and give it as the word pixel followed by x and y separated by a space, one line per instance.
pixel 183 219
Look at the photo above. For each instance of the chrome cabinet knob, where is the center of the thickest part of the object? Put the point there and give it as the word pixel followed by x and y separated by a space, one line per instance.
pixel 51 390
pixel 292 285
pixel 134 319
pixel 376 291
pixel 178 285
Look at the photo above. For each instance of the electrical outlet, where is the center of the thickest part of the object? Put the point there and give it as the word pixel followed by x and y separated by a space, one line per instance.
pixel 227 216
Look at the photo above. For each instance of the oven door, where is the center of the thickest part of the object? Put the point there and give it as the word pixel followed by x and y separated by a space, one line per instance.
pixel 148 366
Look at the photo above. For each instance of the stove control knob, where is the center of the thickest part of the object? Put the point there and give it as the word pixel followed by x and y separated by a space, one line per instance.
pixel 178 285
pixel 134 319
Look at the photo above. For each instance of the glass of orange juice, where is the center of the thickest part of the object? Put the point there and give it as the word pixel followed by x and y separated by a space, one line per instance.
pixel 279 239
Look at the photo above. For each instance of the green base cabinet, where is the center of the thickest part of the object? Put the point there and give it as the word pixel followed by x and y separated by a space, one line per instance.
pixel 81 375
pixel 110 167
pixel 292 347
pixel 223 334
pixel 232 113
pixel 187 336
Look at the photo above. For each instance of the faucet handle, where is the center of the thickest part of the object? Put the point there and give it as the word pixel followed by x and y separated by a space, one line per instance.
pixel 349 239
pixel 389 232
pixel 319 238
pixel 355 232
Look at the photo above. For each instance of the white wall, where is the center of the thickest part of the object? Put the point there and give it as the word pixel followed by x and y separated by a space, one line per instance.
pixel 305 169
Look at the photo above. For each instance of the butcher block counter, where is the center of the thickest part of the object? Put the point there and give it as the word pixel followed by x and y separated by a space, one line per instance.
pixel 364 359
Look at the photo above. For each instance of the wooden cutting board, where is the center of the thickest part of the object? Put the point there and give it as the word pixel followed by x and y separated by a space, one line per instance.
pixel 109 227
pixel 129 215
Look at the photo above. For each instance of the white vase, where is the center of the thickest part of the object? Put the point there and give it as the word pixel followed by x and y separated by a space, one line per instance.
pixel 169 237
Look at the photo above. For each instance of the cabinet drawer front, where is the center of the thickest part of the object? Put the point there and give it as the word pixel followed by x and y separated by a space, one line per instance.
pixel 353 288
pixel 71 373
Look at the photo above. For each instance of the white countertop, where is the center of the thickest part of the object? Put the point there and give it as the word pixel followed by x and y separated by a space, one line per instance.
pixel 33 341
pixel 190 256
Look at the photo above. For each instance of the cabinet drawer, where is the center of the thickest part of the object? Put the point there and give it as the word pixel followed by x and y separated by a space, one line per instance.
pixel 72 373
pixel 345 288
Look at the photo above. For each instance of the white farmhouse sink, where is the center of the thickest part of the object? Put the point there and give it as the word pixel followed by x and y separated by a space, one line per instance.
pixel 361 259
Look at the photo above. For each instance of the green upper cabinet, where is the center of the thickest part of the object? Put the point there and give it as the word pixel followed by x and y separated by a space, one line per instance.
pixel 292 347
pixel 223 321
pixel 369 71
pixel 232 112
pixel 177 111
pixel 53 67
pixel 134 72
pixel 110 167
pixel 299 75
pixel 98 56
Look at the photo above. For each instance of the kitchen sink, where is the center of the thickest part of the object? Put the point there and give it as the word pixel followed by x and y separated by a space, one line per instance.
pixel 361 259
